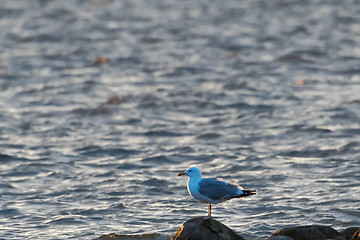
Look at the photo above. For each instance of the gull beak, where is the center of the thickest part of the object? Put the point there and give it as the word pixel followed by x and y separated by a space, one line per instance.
pixel 182 173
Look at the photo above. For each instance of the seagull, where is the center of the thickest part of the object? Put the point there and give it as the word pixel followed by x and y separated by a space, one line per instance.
pixel 212 190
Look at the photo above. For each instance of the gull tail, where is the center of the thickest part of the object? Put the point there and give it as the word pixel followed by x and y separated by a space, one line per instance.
pixel 246 193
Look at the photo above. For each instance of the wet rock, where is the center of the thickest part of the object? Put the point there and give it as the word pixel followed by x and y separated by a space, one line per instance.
pixel 113 236
pixel 356 235
pixel 300 82
pixel 329 232
pixel 351 233
pixel 314 232
pixel 280 237
pixel 100 61
pixel 201 229
pixel 103 107
pixel 114 100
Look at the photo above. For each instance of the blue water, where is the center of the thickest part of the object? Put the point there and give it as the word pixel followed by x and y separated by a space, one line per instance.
pixel 265 94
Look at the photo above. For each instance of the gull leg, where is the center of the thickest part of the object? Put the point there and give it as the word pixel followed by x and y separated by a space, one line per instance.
pixel 209 212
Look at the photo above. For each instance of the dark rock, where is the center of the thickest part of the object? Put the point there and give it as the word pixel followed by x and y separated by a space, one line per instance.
pixel 356 235
pixel 103 107
pixel 280 237
pixel 113 236
pixel 314 232
pixel 349 232
pixel 115 100
pixel 201 229
pixel 329 232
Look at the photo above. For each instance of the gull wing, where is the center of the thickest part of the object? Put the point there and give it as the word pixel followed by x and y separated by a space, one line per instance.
pixel 218 190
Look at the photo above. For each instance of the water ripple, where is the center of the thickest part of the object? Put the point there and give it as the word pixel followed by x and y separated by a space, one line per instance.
pixel 104 102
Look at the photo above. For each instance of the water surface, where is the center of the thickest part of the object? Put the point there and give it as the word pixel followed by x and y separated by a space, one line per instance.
pixel 262 93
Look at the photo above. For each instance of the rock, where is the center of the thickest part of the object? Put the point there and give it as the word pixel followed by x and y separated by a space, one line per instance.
pixel 103 107
pixel 114 100
pixel 201 229
pixel 329 232
pixel 349 232
pixel 100 61
pixel 356 235
pixel 314 232
pixel 113 236
pixel 280 237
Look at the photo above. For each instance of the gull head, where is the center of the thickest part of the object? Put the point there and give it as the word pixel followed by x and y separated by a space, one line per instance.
pixel 191 172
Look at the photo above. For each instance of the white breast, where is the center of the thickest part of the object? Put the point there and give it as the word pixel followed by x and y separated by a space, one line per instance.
pixel 193 189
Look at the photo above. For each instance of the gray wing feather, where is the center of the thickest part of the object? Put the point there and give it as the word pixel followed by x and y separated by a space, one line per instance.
pixel 218 190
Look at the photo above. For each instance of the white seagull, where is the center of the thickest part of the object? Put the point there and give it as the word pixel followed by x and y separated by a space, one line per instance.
pixel 212 190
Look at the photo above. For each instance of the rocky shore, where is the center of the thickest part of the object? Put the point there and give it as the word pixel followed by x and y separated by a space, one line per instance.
pixel 210 229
